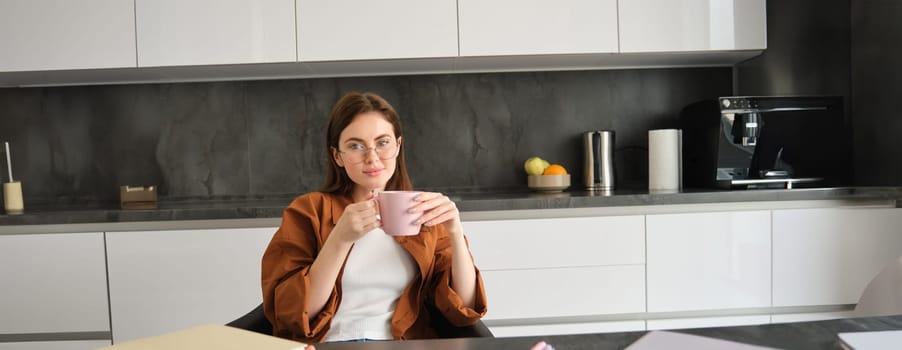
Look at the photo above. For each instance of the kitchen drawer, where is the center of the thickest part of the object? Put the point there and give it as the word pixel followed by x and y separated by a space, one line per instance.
pixel 709 261
pixel 597 290
pixel 827 256
pixel 565 242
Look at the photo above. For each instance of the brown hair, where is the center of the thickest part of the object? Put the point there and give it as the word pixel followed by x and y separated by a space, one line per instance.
pixel 344 111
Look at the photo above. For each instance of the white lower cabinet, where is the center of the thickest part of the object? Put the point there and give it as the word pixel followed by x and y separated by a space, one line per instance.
pixel 53 283
pixel 708 261
pixel 827 256
pixel 542 276
pixel 163 281
pixel 545 276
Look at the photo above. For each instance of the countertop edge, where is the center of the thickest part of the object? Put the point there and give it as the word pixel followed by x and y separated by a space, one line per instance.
pixel 165 225
pixel 223 218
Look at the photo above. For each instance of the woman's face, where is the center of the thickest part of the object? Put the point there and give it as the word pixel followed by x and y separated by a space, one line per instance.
pixel 361 148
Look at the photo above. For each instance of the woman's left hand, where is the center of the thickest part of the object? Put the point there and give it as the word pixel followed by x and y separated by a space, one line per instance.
pixel 437 209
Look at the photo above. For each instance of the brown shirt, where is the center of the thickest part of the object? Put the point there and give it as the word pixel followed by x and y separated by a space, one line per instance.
pixel 306 224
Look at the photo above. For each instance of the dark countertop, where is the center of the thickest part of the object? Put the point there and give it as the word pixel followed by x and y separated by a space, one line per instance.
pixel 621 198
pixel 796 335
pixel 467 201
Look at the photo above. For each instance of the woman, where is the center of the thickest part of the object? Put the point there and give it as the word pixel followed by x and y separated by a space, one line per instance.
pixel 331 274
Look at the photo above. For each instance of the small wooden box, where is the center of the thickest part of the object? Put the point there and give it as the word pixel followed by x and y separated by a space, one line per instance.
pixel 138 197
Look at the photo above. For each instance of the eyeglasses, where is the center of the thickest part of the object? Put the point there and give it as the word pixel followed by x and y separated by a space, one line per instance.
pixel 385 148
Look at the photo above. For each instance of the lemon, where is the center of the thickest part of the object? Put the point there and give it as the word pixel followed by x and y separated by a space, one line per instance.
pixel 535 165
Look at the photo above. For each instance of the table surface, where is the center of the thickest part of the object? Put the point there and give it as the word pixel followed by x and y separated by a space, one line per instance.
pixel 796 335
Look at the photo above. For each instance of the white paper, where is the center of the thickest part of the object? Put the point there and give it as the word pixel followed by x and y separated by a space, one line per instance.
pixel 872 340
pixel 671 340
pixel 665 160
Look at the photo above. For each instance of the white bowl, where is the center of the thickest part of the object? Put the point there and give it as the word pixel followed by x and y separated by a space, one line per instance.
pixel 548 183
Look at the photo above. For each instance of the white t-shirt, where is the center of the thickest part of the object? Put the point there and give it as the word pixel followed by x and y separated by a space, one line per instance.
pixel 377 271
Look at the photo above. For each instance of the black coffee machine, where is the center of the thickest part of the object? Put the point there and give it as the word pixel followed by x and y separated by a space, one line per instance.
pixel 766 142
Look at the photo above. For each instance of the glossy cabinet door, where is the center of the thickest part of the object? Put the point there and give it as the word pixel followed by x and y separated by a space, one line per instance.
pixel 570 292
pixel 561 269
pixel 163 281
pixel 827 256
pixel 557 243
pixel 202 32
pixel 532 27
pixel 708 261
pixel 810 316
pixel 38 35
pixel 338 30
pixel 53 283
pixel 692 25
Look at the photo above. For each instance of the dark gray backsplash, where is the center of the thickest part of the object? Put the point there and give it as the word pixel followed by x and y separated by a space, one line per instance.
pixel 876 77
pixel 807 51
pixel 263 138
pixel 845 48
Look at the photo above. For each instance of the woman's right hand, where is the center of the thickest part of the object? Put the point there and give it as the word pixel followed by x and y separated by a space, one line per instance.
pixel 357 219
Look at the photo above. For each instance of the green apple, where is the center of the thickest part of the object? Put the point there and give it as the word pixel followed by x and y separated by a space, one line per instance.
pixel 535 165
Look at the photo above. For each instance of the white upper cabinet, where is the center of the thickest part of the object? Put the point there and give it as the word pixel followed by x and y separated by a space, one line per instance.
pixel 530 27
pixel 198 32
pixel 609 240
pixel 204 40
pixel 692 25
pixel 337 30
pixel 40 35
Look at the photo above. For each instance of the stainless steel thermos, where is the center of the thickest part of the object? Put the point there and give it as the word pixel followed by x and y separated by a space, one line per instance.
pixel 599 160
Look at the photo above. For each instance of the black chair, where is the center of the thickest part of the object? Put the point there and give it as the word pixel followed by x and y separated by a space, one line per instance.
pixel 256 321
pixel 446 330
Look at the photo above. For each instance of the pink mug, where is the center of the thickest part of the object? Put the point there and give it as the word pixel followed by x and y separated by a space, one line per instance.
pixel 394 207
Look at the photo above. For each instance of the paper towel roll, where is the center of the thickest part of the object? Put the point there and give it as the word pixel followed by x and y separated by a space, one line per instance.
pixel 665 149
